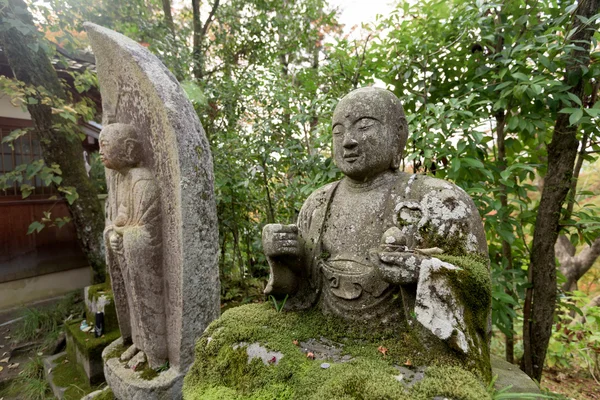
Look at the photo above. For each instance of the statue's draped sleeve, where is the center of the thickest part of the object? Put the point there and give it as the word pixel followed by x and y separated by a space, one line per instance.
pixel 114 261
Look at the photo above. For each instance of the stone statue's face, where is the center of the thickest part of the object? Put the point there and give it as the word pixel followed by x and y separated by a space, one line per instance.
pixel 363 143
pixel 114 152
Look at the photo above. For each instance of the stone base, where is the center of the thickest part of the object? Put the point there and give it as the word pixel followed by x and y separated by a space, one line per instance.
pixel 510 375
pixel 127 384
pixel 86 350
pixel 49 364
pixel 253 352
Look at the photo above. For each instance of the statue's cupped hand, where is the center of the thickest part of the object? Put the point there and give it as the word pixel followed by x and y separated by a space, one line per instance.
pixel 396 267
pixel 281 240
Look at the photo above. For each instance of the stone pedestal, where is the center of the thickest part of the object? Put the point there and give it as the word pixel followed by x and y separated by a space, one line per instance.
pixel 127 384
pixel 85 349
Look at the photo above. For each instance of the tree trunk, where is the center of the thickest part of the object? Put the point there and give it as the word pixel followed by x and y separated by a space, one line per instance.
pixel 199 34
pixel 34 68
pixel 572 266
pixel 166 4
pixel 562 150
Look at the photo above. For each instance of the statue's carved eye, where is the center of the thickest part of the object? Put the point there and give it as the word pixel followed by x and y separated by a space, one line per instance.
pixel 338 129
pixel 364 124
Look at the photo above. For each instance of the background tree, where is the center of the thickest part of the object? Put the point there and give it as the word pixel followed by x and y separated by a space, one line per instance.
pixel 54 124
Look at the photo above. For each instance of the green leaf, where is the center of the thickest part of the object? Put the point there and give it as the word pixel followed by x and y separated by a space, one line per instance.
pixel 576 116
pixel 35 226
pixel 576 99
pixel 520 76
pixel 472 162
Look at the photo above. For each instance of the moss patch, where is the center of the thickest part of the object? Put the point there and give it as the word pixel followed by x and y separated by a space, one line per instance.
pixel 148 373
pixel 116 352
pixel 89 345
pixel 222 372
pixel 452 244
pixel 68 374
pixel 105 395
pixel 474 285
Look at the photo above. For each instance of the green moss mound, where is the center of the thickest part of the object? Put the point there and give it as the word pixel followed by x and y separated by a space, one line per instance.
pixel 71 376
pixel 87 343
pixel 222 369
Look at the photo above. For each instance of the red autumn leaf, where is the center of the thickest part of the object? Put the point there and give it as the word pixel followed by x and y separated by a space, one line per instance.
pixel 273 360
pixel 382 350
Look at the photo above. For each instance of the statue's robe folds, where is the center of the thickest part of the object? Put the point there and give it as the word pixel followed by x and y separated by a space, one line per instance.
pixel 342 231
pixel 133 212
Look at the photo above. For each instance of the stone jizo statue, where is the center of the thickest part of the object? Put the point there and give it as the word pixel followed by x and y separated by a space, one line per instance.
pixel 382 246
pixel 133 237
pixel 161 223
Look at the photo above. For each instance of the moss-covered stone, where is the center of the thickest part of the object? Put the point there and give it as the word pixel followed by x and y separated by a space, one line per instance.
pixel 105 395
pixel 223 371
pixel 116 352
pixel 70 375
pixel 89 345
pixel 474 286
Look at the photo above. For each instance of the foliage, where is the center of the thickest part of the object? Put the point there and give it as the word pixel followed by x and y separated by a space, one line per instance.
pixel 44 321
pixel 30 384
pixel 482 84
pixel 97 173
pixel 465 69
pixel 575 342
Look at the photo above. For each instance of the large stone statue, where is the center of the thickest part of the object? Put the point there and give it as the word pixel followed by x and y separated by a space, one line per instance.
pixel 133 238
pixel 161 231
pixel 380 291
pixel 382 246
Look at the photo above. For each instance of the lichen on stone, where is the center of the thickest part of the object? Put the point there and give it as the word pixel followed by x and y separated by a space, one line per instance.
pixel 222 369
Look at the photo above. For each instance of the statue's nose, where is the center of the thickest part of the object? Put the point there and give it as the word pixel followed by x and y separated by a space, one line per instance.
pixel 349 143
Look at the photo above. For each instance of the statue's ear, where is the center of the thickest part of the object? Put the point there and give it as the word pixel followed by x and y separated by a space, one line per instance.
pixel 397 160
pixel 130 145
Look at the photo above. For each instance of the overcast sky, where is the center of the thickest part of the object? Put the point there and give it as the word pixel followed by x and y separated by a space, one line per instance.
pixel 355 12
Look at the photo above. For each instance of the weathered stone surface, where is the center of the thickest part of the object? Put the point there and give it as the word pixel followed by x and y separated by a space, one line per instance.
pixel 161 219
pixel 129 384
pixel 49 364
pixel 510 375
pixel 161 228
pixel 385 247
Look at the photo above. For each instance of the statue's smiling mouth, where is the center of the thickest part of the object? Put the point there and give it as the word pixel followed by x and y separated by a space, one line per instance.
pixel 350 157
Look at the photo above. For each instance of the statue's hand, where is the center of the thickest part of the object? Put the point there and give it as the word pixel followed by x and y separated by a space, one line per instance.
pixel 281 240
pixel 116 242
pixel 396 267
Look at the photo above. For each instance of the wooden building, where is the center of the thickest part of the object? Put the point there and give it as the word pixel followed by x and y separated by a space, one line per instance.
pixel 49 263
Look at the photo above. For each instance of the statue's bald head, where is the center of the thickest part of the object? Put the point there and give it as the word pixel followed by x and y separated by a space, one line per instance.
pixel 380 104
pixel 119 146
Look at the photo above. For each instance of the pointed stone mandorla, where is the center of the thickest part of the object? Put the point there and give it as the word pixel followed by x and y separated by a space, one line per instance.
pixel 161 231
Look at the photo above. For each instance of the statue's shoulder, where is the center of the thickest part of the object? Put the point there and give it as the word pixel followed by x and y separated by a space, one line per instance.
pixel 320 196
pixel 423 187
pixel 315 205
pixel 141 174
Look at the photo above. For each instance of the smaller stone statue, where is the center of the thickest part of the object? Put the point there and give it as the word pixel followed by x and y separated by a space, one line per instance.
pixel 161 222
pixel 133 240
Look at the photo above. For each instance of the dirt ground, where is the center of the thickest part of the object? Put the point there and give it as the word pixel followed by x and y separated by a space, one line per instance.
pixel 576 385
pixel 13 356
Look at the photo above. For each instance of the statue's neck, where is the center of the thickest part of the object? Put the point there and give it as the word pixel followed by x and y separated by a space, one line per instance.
pixel 371 183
